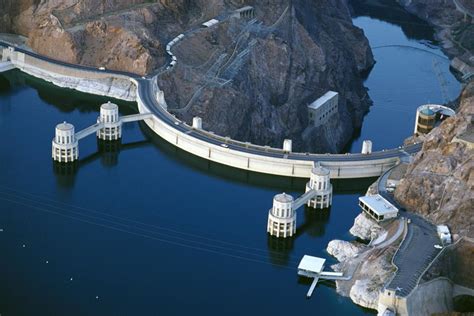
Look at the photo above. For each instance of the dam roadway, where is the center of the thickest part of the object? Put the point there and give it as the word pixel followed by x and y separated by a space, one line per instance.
pixel 207 145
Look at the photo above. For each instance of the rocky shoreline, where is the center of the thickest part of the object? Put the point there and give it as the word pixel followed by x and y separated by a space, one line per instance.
pixel 453 30
pixel 438 185
pixel 368 261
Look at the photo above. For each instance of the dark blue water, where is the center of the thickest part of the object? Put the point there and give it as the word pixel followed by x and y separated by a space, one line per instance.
pixel 141 228
pixel 410 70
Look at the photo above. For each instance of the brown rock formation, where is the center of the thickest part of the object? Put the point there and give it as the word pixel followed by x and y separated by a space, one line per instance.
pixel 293 59
pixel 439 184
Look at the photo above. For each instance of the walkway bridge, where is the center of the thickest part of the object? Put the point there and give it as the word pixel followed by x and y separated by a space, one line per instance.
pixel 205 144
pixel 65 145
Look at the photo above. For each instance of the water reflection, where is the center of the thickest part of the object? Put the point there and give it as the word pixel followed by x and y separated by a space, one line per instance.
pixel 108 153
pixel 314 222
pixel 314 225
pixel 65 173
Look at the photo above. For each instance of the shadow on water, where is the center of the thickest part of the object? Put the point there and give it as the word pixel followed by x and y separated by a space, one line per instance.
pixel 250 178
pixel 391 12
pixel 314 224
pixel 108 153
pixel 67 100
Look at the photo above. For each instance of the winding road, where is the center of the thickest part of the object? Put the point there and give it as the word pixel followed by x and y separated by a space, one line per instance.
pixel 417 250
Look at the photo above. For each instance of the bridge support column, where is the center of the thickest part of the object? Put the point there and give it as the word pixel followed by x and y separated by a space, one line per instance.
pixel 65 147
pixel 282 217
pixel 320 182
pixel 109 116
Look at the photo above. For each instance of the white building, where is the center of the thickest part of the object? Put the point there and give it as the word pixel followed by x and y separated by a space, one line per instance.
pixel 377 207
pixel 311 266
pixel 323 108
pixel 210 23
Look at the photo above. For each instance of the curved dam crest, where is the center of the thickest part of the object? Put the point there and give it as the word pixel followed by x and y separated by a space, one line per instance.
pixel 223 150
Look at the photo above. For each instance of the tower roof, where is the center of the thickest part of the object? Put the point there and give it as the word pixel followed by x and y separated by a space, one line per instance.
pixel 64 126
pixel 320 171
pixel 427 111
pixel 283 198
pixel 109 106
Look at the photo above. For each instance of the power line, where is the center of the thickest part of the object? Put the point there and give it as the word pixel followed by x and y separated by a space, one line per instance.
pixel 33 203
pixel 199 248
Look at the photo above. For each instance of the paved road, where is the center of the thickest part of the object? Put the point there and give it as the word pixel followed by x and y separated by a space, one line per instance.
pixel 417 250
pixel 147 93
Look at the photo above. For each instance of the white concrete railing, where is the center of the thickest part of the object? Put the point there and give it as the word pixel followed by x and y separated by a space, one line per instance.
pixel 261 163
pixel 6 66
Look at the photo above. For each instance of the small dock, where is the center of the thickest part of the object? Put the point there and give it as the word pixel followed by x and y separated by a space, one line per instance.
pixel 312 267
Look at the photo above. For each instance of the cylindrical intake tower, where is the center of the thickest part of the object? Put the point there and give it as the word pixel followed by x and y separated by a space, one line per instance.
pixel 109 117
pixel 282 217
pixel 320 182
pixel 65 147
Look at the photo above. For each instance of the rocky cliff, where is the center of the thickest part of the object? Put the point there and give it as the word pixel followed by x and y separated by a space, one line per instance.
pixel 253 80
pixel 439 184
pixel 292 54
pixel 453 29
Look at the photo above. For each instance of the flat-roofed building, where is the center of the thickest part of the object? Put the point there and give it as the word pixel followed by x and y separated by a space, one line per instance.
pixel 323 108
pixel 377 207
pixel 311 266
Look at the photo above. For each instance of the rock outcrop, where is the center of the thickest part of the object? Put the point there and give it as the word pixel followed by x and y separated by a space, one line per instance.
pixel 365 228
pixel 343 250
pixel 296 51
pixel 439 184
pixel 370 267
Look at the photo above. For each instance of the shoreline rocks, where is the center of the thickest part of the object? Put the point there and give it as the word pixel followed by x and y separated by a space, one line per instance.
pixel 365 228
